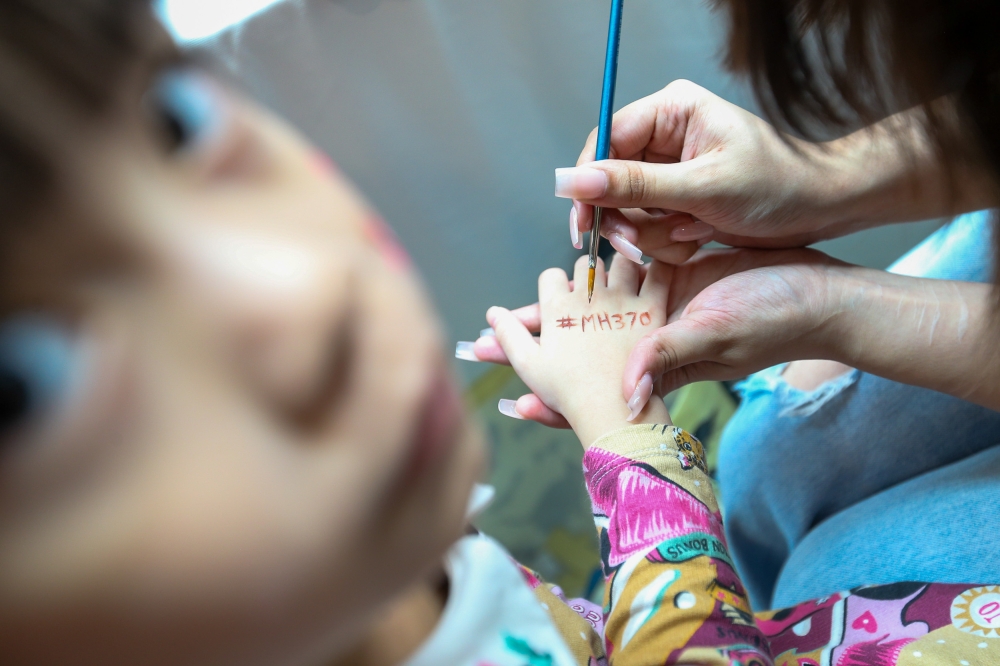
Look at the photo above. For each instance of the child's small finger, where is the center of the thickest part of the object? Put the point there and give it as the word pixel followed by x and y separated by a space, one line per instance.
pixel 623 275
pixel 552 282
pixel 581 274
pixel 516 341
pixel 656 284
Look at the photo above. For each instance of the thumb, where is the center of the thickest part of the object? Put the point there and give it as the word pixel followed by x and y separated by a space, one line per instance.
pixel 629 184
pixel 666 350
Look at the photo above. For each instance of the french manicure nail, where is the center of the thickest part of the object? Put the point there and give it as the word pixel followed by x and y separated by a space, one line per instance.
pixel 693 231
pixel 465 351
pixel 625 247
pixel 509 408
pixel 574 229
pixel 581 183
pixel 487 333
pixel 638 401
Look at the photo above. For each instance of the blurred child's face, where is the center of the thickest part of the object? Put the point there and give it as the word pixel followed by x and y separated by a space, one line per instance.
pixel 252 439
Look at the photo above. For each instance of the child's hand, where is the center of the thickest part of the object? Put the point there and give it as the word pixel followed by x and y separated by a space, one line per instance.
pixel 576 366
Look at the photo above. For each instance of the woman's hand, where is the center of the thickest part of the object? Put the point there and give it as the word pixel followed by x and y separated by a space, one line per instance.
pixel 734 312
pixel 689 166
pixel 937 334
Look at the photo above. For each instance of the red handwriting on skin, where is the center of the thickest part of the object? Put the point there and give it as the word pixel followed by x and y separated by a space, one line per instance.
pixel 614 322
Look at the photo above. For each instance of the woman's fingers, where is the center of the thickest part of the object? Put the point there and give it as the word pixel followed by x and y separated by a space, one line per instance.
pixel 575 235
pixel 654 231
pixel 667 349
pixel 626 248
pixel 486 349
pixel 531 315
pixel 631 184
pixel 530 408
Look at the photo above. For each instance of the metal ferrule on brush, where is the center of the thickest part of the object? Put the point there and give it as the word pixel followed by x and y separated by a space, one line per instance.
pixel 595 240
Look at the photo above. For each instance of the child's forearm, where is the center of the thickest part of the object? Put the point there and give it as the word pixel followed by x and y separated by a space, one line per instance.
pixel 671 594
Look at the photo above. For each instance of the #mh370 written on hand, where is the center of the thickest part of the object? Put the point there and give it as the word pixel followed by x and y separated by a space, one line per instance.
pixel 605 321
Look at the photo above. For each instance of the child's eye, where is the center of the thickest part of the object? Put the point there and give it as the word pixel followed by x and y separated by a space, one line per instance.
pixel 188 108
pixel 36 360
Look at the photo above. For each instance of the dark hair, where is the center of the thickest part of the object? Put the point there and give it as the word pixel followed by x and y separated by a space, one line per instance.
pixel 58 59
pixel 840 64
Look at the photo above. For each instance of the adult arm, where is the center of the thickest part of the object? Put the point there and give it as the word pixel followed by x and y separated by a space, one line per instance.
pixel 689 165
pixel 937 334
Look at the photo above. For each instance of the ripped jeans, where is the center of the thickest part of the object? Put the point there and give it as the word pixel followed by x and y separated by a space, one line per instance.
pixel 865 481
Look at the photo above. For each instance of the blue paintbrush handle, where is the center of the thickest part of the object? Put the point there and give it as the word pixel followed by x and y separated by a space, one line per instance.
pixel 604 126
pixel 610 78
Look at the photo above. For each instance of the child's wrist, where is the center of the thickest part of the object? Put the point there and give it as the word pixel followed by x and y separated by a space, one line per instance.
pixel 592 422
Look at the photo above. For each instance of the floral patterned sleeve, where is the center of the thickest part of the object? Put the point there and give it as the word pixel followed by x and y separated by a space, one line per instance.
pixel 673 597
pixel 671 594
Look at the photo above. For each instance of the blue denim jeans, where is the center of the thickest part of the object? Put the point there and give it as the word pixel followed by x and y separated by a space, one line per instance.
pixel 863 480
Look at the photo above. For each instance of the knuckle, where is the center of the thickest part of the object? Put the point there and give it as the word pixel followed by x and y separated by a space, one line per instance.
pixel 635 183
pixel 663 353
pixel 682 87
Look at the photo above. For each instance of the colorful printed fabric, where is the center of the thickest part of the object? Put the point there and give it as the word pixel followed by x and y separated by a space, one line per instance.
pixel 673 597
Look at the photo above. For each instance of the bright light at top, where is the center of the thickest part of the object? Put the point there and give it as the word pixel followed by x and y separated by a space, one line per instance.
pixel 189 20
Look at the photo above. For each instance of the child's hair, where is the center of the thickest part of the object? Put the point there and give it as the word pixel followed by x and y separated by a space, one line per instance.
pixel 60 60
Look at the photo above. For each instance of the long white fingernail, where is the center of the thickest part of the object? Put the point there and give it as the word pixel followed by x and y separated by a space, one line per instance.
pixel 509 408
pixel 638 401
pixel 625 247
pixel 466 351
pixel 574 229
pixel 581 183
pixel 487 333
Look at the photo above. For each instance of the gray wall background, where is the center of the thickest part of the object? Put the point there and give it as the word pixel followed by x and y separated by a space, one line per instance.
pixel 451 115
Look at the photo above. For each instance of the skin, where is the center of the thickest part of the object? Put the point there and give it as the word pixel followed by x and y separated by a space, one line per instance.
pixel 734 312
pixel 690 162
pixel 574 370
pixel 250 466
pixel 690 167
pixel 260 457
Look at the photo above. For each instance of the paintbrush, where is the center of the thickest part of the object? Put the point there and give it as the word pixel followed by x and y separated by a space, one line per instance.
pixel 604 126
